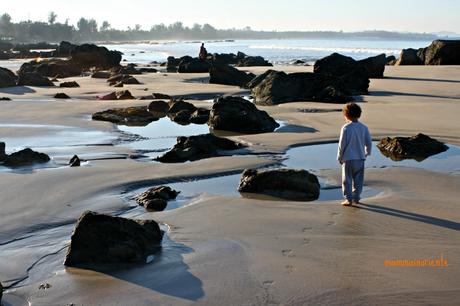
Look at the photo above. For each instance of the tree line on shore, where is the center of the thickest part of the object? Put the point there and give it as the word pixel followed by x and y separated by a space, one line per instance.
pixel 90 30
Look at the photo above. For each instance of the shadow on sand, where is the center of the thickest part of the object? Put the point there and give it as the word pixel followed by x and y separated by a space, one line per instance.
pixel 410 216
pixel 168 274
pixel 17 90
pixel 393 93
pixel 421 79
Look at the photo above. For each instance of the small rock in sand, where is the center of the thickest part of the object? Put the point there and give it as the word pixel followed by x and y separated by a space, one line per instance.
pixel 69 84
pixel 156 198
pixel 61 95
pixel 75 161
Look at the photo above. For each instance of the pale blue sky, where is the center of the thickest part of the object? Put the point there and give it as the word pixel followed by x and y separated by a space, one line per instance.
pixel 346 15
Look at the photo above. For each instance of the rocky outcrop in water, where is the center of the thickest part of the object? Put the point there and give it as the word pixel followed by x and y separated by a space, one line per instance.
pixel 132 116
pixel 101 239
pixel 89 56
pixel 156 198
pixel 276 87
pixel 227 75
pixel 353 74
pixel 193 65
pixel 33 79
pixel 417 147
pixel 25 157
pixel 440 52
pixel 282 183
pixel 251 61
pixel 198 147
pixel 7 78
pixel 374 65
pixel 239 115
pixel 75 161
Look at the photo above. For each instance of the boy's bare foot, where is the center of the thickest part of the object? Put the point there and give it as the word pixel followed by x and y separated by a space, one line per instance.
pixel 346 203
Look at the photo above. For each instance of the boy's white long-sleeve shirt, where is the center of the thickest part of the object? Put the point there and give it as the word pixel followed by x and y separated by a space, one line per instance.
pixel 355 142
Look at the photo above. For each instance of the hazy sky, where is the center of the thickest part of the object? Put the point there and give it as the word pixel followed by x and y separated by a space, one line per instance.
pixel 346 15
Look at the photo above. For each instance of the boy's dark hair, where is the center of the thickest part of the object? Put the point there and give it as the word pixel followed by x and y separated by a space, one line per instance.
pixel 352 111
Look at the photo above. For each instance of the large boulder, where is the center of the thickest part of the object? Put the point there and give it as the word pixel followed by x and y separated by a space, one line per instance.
pixel 7 78
pixel 89 55
pixel 353 74
pixel 227 75
pixel 156 198
pixel 374 65
pixel 409 57
pixel 176 106
pixel 33 79
pixel 225 58
pixel 132 116
pixel 65 49
pixel 282 183
pixel 102 239
pixel 3 154
pixel 239 115
pixel 278 87
pixel 198 147
pixel 51 68
pixel 193 65
pixel 251 61
pixel 443 52
pixel 417 147
pixel 25 157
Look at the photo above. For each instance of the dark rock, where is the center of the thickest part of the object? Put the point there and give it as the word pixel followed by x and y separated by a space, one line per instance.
pixel 171 65
pixel 197 147
pixel 161 107
pixel 390 60
pixel 25 157
pixel 123 79
pixel 225 59
pixel 442 52
pixel 75 161
pixel 51 68
pixel 282 183
pixel 119 84
pixel 110 96
pixel 101 75
pixel 176 106
pixel 409 57
pixel 69 84
pixel 61 95
pixel 128 69
pixel 99 238
pixel 89 55
pixel 279 87
pixel 227 75
pixel 3 154
pixel 133 116
pixel 148 70
pixel 65 49
pixel 258 79
pixel 156 198
pixel 5 99
pixel 374 65
pixel 200 116
pixel 7 78
pixel 298 62
pixel 181 117
pixel 157 95
pixel 352 73
pixel 250 61
pixel 33 79
pixel 193 65
pixel 124 95
pixel 417 147
pixel 239 115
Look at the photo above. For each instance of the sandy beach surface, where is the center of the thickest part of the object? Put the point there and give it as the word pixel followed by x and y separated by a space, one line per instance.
pixel 232 250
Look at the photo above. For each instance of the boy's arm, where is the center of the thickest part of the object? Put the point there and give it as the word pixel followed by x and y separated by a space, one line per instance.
pixel 368 143
pixel 342 142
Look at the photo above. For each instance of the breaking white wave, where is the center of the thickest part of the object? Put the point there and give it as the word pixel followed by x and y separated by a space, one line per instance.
pixel 329 49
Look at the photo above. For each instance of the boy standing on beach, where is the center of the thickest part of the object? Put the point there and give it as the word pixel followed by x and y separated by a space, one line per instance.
pixel 354 146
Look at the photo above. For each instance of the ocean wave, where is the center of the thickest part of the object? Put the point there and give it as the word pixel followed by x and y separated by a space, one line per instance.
pixel 329 49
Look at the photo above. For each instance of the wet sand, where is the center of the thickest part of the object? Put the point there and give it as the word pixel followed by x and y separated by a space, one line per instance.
pixel 235 250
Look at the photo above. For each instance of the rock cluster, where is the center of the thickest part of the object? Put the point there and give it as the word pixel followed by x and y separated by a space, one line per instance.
pixel 156 198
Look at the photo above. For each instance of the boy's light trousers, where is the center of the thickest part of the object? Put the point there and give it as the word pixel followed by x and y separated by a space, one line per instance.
pixel 352 179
